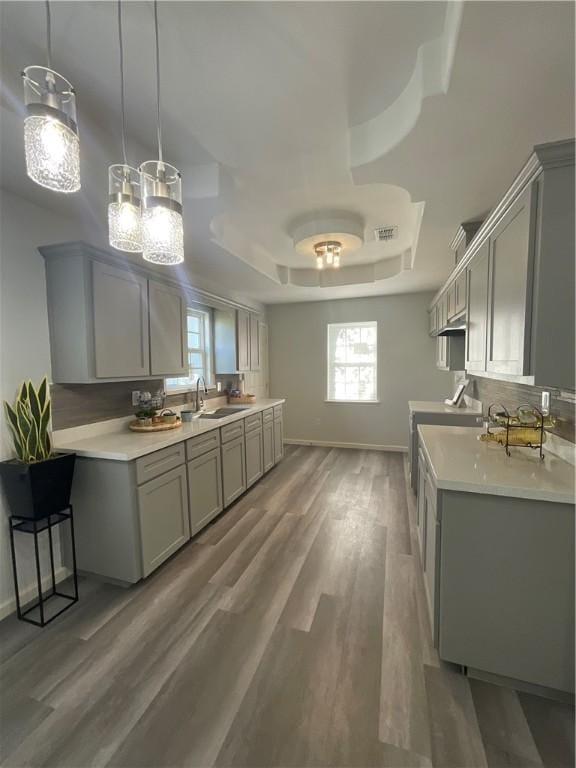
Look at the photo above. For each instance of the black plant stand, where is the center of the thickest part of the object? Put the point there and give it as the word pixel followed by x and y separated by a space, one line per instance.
pixel 34 527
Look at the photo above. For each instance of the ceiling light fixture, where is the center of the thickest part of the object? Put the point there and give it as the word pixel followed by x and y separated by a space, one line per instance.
pixel 124 216
pixel 51 139
pixel 328 254
pixel 161 189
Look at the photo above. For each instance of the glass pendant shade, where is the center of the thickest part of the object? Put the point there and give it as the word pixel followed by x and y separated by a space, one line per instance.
pixel 50 130
pixel 124 218
pixel 162 228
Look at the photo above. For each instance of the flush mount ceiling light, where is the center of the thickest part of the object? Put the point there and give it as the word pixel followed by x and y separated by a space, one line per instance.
pixel 161 189
pixel 124 217
pixel 51 139
pixel 328 236
pixel 328 254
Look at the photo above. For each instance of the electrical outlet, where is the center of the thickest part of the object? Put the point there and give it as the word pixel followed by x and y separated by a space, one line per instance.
pixel 135 397
pixel 545 403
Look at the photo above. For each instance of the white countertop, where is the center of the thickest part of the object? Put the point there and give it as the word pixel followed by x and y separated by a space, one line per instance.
pixel 425 406
pixel 124 445
pixel 460 462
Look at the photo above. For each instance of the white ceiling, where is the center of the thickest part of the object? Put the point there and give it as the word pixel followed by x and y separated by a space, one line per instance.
pixel 416 114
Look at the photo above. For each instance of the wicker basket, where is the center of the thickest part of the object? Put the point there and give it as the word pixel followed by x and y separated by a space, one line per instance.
pixel 242 399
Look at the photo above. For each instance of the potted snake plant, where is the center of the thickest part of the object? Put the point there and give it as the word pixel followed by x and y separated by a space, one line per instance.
pixel 37 483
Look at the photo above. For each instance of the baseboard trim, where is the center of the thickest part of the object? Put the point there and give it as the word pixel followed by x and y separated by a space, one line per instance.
pixel 358 446
pixel 31 592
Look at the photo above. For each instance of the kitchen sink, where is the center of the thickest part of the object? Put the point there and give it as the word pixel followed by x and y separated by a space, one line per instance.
pixel 221 413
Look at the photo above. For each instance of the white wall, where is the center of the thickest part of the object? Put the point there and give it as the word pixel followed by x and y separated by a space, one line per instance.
pixel 24 344
pixel 406 368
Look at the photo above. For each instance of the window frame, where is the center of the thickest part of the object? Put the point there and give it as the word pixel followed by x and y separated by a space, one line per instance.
pixel 206 316
pixel 351 324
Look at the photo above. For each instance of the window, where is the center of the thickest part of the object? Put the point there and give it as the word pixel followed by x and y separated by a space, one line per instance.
pixel 352 362
pixel 199 351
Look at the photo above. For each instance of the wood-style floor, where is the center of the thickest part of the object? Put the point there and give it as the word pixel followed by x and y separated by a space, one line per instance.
pixel 292 632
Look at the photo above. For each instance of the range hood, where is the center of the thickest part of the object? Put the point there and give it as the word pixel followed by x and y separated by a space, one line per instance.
pixel 456 327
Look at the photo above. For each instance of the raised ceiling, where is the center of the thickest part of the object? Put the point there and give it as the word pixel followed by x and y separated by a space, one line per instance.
pixel 408 114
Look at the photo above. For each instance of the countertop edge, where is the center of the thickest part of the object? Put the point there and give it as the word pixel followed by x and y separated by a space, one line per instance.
pixel 172 438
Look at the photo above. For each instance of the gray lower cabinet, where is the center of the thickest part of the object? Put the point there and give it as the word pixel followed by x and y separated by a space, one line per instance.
pixel 254 457
pixel 499 582
pixel 278 439
pixel 268 443
pixel 233 469
pixel 163 514
pixel 204 489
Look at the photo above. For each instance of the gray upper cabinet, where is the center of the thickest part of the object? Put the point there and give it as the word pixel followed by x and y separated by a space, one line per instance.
pixel 520 271
pixel 460 294
pixel 120 306
pixel 254 343
pixel 164 522
pixel 477 276
pixel 509 311
pixel 109 320
pixel 243 339
pixel 236 341
pixel 168 343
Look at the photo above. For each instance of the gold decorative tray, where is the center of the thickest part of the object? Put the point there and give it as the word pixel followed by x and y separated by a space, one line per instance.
pixel 242 399
pixel 135 426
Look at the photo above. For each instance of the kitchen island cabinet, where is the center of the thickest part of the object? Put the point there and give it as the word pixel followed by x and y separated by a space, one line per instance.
pixel 496 537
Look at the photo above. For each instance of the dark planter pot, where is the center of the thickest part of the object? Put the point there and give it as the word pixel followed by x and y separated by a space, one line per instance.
pixel 37 490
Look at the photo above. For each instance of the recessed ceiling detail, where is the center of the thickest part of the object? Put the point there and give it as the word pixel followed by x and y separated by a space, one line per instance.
pixel 347 229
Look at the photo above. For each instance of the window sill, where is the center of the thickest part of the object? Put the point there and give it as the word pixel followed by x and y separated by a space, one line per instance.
pixel 353 402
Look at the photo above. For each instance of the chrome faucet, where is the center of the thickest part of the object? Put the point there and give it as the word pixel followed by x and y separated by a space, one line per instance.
pixel 200 400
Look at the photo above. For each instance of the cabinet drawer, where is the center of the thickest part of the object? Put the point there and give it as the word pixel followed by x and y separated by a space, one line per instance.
pixel 196 446
pixel 277 411
pixel 268 415
pixel 253 422
pixel 159 462
pixel 231 431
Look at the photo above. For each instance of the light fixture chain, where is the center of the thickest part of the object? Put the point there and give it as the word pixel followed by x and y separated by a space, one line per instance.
pixel 158 124
pixel 122 98
pixel 48 35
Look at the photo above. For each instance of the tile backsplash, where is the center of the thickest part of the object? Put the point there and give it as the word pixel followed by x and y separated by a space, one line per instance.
pixel 76 404
pixel 510 395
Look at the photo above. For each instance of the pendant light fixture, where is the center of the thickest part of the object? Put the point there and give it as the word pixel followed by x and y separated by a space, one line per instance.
pixel 50 130
pixel 124 218
pixel 161 189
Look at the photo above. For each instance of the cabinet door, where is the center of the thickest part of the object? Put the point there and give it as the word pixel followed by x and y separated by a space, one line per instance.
pixel 168 341
pixel 268 444
pixel 477 310
pixel 460 293
pixel 120 311
pixel 254 343
pixel 441 352
pixel 421 507
pixel 451 301
pixel 432 321
pixel 233 469
pixel 254 458
pixel 431 559
pixel 204 489
pixel 509 313
pixel 278 440
pixel 164 522
pixel 243 339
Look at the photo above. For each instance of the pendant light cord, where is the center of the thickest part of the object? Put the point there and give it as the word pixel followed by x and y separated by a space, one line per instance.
pixel 158 125
pixel 121 46
pixel 48 35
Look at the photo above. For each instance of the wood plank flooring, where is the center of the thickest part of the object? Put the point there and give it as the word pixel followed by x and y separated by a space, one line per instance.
pixel 292 632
